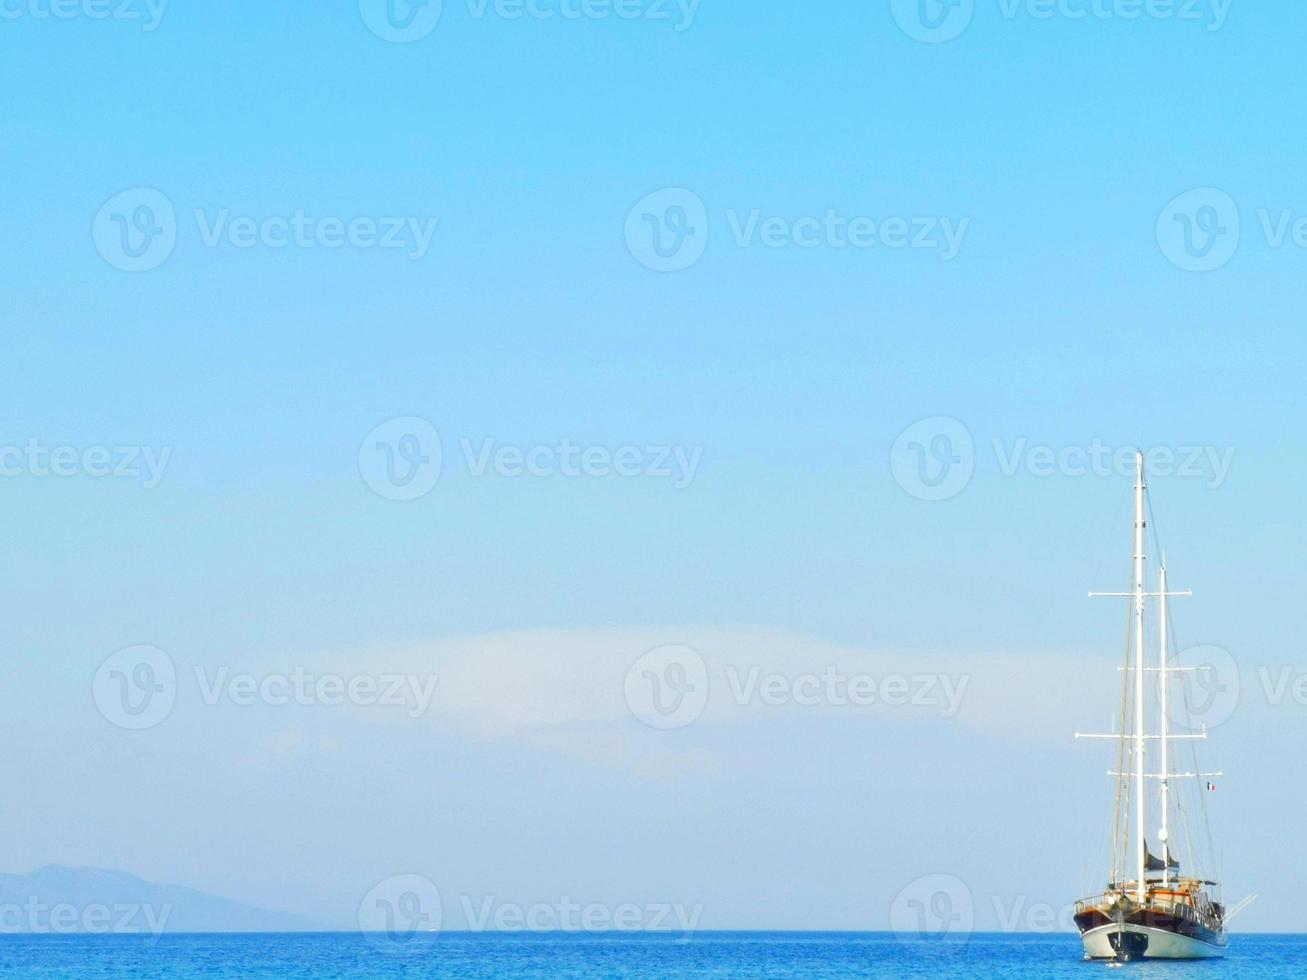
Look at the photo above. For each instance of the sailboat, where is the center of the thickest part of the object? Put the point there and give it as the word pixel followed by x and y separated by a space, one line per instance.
pixel 1154 906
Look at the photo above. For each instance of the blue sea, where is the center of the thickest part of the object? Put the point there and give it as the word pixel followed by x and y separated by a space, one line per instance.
pixel 737 955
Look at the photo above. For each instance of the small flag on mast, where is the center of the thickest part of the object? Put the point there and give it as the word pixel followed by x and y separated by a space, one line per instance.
pixel 1211 787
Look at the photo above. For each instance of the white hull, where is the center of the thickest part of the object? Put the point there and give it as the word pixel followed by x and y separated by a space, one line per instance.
pixel 1162 945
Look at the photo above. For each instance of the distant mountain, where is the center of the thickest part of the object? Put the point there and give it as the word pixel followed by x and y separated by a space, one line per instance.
pixel 91 900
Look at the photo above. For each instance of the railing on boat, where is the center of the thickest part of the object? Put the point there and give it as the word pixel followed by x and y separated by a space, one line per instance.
pixel 1162 903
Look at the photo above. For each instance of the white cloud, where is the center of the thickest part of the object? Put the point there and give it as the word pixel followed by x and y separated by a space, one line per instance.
pixel 565 690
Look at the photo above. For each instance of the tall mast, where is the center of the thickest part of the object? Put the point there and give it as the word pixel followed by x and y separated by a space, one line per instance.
pixel 1162 678
pixel 1140 864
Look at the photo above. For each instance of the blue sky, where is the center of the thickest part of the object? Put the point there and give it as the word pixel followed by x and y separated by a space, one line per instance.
pixel 1050 144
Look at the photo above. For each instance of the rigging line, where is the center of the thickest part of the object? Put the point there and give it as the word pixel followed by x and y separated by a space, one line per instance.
pixel 1188 841
pixel 1202 802
pixel 1193 754
pixel 1202 795
pixel 1193 748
